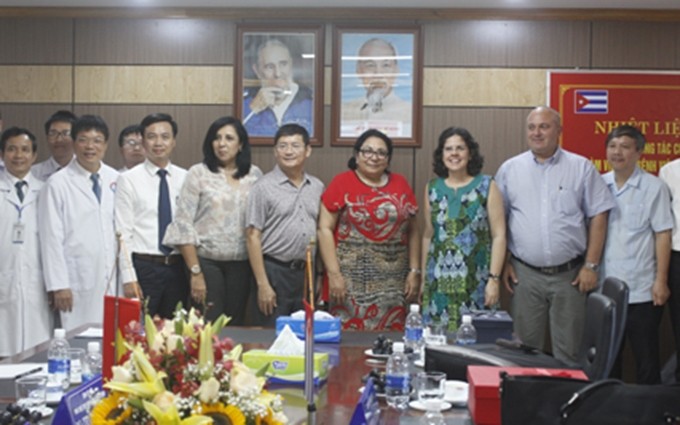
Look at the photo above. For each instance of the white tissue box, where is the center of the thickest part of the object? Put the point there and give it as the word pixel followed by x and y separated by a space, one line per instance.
pixel 325 330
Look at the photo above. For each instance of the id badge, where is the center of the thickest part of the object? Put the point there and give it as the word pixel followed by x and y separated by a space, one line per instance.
pixel 18 231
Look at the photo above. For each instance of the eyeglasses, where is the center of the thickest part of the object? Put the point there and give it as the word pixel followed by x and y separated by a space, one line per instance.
pixel 97 141
pixel 54 134
pixel 132 143
pixel 367 153
pixel 282 147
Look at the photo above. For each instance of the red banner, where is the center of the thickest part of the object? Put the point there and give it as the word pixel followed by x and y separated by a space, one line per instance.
pixel 594 103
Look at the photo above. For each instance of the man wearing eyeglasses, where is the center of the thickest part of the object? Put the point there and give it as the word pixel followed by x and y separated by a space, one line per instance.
pixel 283 207
pixel 131 148
pixel 59 142
pixel 78 243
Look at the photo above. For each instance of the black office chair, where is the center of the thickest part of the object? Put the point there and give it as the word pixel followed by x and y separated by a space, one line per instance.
pixel 617 290
pixel 594 357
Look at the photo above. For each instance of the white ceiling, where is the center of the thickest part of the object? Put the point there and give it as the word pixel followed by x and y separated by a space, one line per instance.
pixel 448 4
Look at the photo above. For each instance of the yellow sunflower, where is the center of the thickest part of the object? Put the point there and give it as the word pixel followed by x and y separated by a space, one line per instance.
pixel 222 414
pixel 109 412
pixel 268 419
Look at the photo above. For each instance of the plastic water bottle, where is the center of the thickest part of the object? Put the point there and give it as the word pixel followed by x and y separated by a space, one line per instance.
pixel 397 378
pixel 58 366
pixel 93 361
pixel 413 334
pixel 467 334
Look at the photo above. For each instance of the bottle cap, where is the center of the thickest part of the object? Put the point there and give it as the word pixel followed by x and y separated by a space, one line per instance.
pixel 93 347
pixel 467 319
pixel 398 347
pixel 414 308
pixel 59 333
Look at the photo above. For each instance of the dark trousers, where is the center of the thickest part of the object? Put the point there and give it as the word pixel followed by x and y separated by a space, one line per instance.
pixel 642 333
pixel 228 285
pixel 163 285
pixel 674 305
pixel 288 285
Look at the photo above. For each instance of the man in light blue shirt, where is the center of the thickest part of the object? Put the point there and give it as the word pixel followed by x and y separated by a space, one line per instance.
pixel 556 205
pixel 638 247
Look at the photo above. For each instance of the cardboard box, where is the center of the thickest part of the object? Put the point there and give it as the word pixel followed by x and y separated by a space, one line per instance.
pixel 324 330
pixel 287 370
pixel 491 326
pixel 484 399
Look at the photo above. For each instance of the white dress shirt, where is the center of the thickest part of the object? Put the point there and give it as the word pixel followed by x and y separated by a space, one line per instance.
pixel 136 211
pixel 43 170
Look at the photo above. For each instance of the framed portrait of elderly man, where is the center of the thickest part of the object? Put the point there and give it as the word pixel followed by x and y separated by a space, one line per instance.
pixel 279 80
pixel 377 84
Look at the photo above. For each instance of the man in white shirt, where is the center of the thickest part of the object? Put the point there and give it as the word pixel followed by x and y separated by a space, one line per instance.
pixel 25 319
pixel 145 202
pixel 78 242
pixel 59 142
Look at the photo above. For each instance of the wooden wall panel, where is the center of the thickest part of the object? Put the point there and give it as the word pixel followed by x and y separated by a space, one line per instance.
pixel 154 84
pixel 155 41
pixel 507 43
pixel 484 87
pixel 36 41
pixel 192 122
pixel 636 45
pixel 35 84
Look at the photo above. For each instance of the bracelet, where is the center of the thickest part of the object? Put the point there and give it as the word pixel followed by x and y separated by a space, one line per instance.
pixel 494 276
pixel 412 270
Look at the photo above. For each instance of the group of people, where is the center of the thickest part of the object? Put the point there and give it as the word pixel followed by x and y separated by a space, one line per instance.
pixel 547 227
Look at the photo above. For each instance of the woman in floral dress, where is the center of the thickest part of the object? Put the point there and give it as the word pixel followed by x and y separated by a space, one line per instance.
pixel 463 245
pixel 368 239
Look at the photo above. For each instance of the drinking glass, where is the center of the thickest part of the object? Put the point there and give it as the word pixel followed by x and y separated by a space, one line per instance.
pixel 77 356
pixel 30 391
pixel 430 391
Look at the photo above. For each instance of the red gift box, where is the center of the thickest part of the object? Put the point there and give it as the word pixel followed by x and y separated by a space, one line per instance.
pixel 484 399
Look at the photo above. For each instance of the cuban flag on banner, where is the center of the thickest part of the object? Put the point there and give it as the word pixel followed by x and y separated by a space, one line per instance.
pixel 591 101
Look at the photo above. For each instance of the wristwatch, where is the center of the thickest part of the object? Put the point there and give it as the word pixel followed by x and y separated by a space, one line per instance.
pixel 195 269
pixel 592 266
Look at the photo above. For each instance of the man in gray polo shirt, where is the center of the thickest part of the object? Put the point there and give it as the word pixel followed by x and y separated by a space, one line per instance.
pixel 283 207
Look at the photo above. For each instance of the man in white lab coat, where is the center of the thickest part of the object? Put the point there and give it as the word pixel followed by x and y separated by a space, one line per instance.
pixel 59 142
pixel 25 319
pixel 77 230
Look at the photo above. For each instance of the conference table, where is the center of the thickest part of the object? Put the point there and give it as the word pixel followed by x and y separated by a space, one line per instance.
pixel 335 400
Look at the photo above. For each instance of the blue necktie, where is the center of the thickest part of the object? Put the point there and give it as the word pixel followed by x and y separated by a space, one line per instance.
pixel 164 210
pixel 20 189
pixel 95 187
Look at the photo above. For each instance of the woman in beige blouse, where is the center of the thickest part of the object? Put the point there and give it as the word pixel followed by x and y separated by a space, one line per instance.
pixel 209 224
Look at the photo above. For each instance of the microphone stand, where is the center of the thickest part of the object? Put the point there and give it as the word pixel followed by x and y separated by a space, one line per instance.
pixel 308 301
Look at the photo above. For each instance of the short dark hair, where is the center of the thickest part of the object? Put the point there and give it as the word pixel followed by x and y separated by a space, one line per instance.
pixel 243 160
pixel 352 162
pixel 292 130
pixel 130 129
pixel 630 131
pixel 158 117
pixel 90 122
pixel 16 131
pixel 476 161
pixel 60 116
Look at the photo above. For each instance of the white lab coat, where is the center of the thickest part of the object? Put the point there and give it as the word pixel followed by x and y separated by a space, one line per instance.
pixel 25 318
pixel 78 240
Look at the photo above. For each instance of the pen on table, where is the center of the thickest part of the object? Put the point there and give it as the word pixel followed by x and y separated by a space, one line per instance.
pixel 28 372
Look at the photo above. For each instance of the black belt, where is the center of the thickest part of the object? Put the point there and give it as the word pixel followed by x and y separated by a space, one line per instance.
pixel 293 264
pixel 569 265
pixel 168 260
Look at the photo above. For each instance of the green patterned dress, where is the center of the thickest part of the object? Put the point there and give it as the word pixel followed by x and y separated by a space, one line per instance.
pixel 460 249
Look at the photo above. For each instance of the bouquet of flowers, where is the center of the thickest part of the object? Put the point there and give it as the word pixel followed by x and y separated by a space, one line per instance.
pixel 180 372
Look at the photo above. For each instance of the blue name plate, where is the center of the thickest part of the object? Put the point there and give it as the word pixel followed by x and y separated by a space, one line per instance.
pixel 367 411
pixel 76 405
